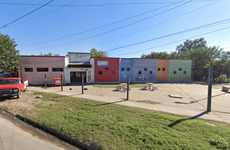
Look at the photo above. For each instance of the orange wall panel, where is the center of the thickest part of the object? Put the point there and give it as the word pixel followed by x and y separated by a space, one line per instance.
pixel 162 69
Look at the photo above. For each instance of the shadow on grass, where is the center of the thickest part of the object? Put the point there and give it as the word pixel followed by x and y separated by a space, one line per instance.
pixel 181 120
pixel 112 102
pixel 191 102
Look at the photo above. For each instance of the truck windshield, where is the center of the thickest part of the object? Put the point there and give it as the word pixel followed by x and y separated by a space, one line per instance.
pixel 10 81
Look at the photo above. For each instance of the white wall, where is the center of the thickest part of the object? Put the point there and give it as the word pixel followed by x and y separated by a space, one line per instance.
pixel 90 72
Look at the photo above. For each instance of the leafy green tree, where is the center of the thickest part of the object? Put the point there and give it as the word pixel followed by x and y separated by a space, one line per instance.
pixel 160 55
pixel 96 53
pixel 191 44
pixel 9 56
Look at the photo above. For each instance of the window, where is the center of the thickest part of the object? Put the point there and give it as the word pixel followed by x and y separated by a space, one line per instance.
pixel 28 69
pixel 128 69
pixel 159 69
pixel 174 72
pixel 113 72
pixel 150 72
pixel 145 69
pixel 163 69
pixel 42 69
pixel 106 69
pixel 185 72
pixel 139 72
pixel 100 72
pixel 57 69
pixel 192 69
pixel 180 69
pixel 122 69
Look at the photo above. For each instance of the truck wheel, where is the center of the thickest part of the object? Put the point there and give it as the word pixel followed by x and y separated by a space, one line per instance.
pixel 19 94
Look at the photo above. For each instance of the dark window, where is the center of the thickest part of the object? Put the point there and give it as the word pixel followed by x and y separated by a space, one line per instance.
pixel 128 69
pixel 106 69
pixel 28 69
pixel 180 69
pixel 163 69
pixel 113 72
pixel 42 69
pixel 139 72
pixel 99 72
pixel 145 69
pixel 159 69
pixel 192 69
pixel 122 69
pixel 150 72
pixel 185 72
pixel 57 69
pixel 174 72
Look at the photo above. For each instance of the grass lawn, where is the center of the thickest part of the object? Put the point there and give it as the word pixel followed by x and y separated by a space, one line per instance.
pixel 111 126
pixel 114 85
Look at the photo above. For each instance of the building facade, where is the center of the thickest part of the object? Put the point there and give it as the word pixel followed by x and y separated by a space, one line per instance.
pixel 76 66
pixel 106 69
pixel 126 68
pixel 144 70
pixel 35 68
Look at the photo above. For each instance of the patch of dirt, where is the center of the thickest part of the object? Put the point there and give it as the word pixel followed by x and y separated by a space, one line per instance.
pixel 28 101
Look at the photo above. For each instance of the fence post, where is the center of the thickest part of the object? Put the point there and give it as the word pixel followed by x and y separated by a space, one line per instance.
pixel 210 87
pixel 45 81
pixel 61 83
pixel 128 87
pixel 82 83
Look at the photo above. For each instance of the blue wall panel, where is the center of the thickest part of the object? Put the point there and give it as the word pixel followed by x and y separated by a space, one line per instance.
pixel 126 68
pixel 145 70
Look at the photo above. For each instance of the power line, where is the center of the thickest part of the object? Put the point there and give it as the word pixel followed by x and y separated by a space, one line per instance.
pixel 50 5
pixel 177 41
pixel 188 30
pixel 45 13
pixel 157 23
pixel 26 14
pixel 101 26
pixel 104 4
pixel 118 27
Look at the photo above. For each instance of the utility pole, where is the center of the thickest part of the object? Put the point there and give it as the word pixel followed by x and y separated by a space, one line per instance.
pixel 45 81
pixel 128 87
pixel 210 87
pixel 82 83
pixel 61 83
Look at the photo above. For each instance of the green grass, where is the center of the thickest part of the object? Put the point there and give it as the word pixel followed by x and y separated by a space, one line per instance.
pixel 114 85
pixel 111 126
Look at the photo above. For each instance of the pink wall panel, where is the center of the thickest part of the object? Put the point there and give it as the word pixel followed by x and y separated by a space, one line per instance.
pixel 41 62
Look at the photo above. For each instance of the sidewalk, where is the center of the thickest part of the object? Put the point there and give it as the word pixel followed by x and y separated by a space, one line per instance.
pixel 194 102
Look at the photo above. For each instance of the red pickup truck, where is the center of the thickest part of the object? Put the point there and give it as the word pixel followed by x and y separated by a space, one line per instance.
pixel 12 87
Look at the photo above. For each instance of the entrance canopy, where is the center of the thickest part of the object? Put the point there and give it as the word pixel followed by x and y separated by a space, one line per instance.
pixel 79 65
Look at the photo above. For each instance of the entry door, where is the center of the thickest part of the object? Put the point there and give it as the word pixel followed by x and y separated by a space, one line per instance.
pixel 76 76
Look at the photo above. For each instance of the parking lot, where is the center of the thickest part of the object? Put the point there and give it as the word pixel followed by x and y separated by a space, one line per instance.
pixel 193 101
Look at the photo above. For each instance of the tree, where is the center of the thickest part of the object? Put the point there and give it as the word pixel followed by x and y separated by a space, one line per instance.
pixel 161 55
pixel 191 44
pixel 9 56
pixel 49 54
pixel 96 53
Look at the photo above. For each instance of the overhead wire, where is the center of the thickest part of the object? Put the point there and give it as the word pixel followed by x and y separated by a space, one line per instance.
pixel 45 13
pixel 102 26
pixel 177 41
pixel 117 28
pixel 26 14
pixel 188 30
pixel 157 24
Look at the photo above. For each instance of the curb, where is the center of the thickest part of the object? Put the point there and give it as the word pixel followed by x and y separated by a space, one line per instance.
pixel 54 132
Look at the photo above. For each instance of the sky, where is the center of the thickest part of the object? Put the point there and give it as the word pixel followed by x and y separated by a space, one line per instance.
pixel 123 28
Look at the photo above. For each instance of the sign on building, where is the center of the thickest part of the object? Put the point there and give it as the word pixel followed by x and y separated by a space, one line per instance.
pixel 102 63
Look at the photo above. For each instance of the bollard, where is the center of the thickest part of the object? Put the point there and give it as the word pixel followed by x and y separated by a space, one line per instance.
pixel 82 83
pixel 45 81
pixel 210 87
pixel 61 83
pixel 128 87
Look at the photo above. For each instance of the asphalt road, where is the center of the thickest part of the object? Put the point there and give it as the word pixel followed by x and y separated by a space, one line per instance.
pixel 14 138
